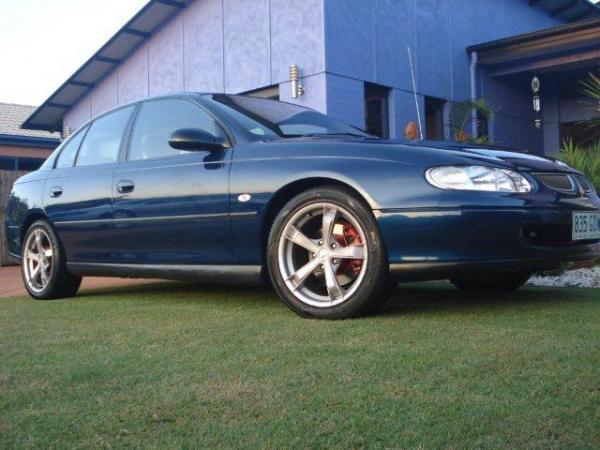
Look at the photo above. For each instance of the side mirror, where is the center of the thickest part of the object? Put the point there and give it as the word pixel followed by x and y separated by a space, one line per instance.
pixel 194 139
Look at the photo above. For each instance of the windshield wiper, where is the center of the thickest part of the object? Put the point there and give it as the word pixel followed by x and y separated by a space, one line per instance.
pixel 341 133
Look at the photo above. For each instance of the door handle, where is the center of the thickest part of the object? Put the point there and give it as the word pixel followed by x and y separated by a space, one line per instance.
pixel 125 186
pixel 56 191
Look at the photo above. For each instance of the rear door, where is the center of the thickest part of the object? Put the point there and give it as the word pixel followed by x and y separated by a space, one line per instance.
pixel 78 192
pixel 172 206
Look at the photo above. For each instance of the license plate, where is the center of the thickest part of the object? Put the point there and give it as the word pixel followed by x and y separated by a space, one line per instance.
pixel 586 225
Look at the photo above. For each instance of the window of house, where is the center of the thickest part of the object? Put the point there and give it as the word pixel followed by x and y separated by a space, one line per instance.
pixel 156 122
pixel 103 141
pixel 575 110
pixel 581 134
pixel 483 126
pixel 377 121
pixel 67 154
pixel 434 118
pixel 271 93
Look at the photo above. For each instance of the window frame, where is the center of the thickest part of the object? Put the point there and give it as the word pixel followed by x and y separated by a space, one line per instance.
pixel 84 129
pixel 134 108
pixel 126 147
pixel 440 107
pixel 383 93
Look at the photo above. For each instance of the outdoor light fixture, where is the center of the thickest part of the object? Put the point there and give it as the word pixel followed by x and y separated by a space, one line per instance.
pixel 297 88
pixel 537 103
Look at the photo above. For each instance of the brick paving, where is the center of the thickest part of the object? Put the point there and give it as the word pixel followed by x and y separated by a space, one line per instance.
pixel 11 284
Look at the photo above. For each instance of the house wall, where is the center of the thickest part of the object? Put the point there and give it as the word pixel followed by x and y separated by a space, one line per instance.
pixel 220 46
pixel 556 109
pixel 367 41
pixel 239 45
pixel 514 118
pixel 26 152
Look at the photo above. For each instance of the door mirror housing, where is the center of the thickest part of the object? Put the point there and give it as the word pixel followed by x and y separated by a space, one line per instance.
pixel 195 139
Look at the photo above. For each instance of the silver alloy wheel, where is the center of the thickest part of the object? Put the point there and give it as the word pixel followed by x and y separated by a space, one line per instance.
pixel 313 250
pixel 38 260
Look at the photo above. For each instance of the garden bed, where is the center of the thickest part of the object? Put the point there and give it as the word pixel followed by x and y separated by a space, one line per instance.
pixel 579 278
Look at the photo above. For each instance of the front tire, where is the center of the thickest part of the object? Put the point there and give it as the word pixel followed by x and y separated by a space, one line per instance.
pixel 503 282
pixel 326 257
pixel 44 266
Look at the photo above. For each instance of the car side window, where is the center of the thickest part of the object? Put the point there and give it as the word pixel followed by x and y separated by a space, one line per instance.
pixel 103 140
pixel 157 120
pixel 66 158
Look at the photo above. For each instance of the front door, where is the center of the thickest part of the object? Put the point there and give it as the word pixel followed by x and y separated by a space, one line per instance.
pixel 78 192
pixel 171 206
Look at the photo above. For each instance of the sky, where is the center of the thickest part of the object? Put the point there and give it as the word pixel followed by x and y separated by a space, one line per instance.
pixel 43 42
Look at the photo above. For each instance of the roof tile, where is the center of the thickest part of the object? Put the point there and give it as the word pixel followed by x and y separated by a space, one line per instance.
pixel 11 118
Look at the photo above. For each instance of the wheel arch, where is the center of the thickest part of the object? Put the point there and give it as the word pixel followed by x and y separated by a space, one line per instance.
pixel 32 217
pixel 290 190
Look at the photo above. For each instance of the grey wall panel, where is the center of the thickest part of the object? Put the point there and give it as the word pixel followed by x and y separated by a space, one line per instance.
pixel 315 96
pixel 79 114
pixel 194 52
pixel 105 96
pixel 345 99
pixel 165 59
pixel 394 32
pixel 350 40
pixel 133 77
pixel 203 46
pixel 247 45
pixel 297 30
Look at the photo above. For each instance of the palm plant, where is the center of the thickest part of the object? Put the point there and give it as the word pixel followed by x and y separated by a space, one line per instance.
pixel 584 159
pixel 591 89
pixel 461 116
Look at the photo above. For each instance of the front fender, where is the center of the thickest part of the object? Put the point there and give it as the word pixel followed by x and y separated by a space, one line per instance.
pixel 383 184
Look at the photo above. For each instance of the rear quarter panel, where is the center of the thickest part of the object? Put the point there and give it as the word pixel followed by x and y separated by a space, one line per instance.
pixel 25 200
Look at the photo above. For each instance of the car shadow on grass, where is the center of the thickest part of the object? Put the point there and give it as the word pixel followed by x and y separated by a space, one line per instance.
pixel 408 298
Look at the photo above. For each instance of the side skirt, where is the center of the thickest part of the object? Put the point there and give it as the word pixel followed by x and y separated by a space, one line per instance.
pixel 206 273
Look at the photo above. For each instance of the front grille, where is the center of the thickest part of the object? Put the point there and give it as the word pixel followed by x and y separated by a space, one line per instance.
pixel 557 181
pixel 584 184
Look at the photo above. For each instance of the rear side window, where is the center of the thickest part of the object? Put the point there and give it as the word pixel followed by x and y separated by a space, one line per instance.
pixel 101 144
pixel 66 158
pixel 156 122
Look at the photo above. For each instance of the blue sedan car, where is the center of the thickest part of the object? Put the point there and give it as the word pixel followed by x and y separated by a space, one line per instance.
pixel 228 188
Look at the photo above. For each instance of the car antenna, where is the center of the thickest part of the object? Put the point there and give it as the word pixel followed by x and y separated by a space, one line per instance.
pixel 414 84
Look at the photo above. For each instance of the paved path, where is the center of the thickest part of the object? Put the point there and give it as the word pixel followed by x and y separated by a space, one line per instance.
pixel 11 284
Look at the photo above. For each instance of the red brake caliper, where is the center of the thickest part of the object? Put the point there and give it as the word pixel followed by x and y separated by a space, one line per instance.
pixel 349 236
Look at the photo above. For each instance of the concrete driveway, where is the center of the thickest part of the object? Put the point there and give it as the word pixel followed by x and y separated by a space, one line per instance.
pixel 11 284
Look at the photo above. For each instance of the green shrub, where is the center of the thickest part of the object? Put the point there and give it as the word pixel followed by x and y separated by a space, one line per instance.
pixel 584 159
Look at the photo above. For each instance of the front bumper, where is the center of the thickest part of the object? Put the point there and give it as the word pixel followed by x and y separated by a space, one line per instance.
pixel 444 242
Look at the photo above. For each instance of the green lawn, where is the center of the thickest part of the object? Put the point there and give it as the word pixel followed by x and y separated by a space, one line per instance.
pixel 186 366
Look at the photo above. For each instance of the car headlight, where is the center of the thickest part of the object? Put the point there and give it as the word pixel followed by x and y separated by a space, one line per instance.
pixel 477 178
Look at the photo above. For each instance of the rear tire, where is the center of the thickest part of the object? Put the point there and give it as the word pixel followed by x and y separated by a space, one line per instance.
pixel 44 266
pixel 326 257
pixel 504 282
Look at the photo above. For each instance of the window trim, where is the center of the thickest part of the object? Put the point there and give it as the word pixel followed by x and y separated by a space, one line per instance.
pixel 127 147
pixel 134 107
pixel 384 93
pixel 83 130
pixel 443 111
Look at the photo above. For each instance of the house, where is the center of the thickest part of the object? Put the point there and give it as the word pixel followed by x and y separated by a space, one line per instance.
pixel 377 64
pixel 21 149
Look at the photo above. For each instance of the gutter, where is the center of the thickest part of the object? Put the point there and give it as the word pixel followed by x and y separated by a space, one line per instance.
pixel 29 141
pixel 473 75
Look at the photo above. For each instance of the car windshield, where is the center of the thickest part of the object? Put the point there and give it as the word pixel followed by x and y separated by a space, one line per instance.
pixel 271 119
